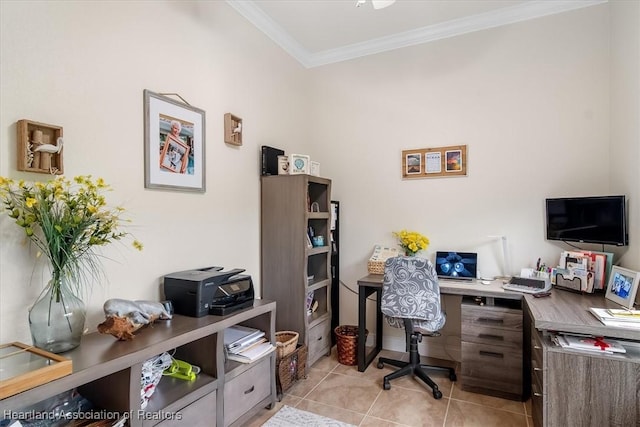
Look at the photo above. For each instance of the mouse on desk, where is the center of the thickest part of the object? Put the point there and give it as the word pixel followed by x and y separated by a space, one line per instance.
pixel 486 282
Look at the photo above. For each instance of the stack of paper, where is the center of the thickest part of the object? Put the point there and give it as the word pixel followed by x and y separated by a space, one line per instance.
pixel 591 344
pixel 252 353
pixel 244 344
pixel 619 318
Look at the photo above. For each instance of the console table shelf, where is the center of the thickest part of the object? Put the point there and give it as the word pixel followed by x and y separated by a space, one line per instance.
pixel 108 372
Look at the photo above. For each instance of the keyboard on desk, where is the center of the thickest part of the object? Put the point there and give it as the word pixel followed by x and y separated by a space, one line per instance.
pixel 528 286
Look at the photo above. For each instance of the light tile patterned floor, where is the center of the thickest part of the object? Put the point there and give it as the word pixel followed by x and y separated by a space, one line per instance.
pixel 342 393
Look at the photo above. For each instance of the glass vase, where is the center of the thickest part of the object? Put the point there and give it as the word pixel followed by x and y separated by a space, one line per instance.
pixel 57 318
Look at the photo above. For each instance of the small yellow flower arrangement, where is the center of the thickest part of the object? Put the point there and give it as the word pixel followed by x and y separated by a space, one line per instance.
pixel 411 241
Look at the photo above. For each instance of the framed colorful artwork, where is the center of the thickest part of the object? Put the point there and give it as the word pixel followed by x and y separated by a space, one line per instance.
pixel 174 144
pixel 435 162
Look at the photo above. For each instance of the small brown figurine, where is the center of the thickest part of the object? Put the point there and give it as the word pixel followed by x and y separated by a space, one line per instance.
pixel 124 317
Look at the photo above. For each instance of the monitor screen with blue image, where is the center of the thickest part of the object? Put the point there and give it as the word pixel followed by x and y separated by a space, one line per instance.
pixel 456 265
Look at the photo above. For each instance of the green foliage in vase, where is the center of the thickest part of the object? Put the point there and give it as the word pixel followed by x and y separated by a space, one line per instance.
pixel 66 220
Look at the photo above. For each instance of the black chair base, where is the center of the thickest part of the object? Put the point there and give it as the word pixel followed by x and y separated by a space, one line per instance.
pixel 413 366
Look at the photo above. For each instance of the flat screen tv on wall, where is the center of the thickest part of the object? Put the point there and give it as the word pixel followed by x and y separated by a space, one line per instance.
pixel 596 219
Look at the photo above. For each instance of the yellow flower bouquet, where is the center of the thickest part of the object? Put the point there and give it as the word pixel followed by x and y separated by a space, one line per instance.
pixel 411 241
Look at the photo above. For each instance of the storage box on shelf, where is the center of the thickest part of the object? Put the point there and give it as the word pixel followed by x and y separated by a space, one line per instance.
pixel 224 392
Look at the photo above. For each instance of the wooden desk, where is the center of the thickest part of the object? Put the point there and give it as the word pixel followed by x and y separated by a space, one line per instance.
pixel 570 387
pixel 372 283
pixel 567 387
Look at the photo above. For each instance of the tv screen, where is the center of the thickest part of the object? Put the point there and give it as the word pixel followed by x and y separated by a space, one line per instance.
pixel 587 219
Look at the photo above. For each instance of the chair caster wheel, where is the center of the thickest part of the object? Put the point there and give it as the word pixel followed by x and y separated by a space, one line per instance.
pixel 453 377
pixel 386 385
pixel 437 394
pixel 380 365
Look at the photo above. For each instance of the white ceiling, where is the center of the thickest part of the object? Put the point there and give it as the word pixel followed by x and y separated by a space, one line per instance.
pixel 319 32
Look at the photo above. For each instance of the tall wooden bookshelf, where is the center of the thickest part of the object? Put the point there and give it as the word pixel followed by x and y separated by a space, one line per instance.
pixel 295 274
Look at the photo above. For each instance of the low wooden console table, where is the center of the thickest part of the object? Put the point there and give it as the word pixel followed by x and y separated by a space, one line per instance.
pixel 108 373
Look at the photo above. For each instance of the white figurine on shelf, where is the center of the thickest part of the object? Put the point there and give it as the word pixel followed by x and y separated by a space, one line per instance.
pixel 50 148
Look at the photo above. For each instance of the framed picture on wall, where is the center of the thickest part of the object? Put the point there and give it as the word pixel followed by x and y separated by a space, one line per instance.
pixel 435 162
pixel 174 137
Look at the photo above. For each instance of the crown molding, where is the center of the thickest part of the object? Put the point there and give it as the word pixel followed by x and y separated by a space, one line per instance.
pixel 505 16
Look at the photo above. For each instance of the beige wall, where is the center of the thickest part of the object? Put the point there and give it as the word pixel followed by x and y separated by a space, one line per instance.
pixel 531 101
pixel 625 116
pixel 84 66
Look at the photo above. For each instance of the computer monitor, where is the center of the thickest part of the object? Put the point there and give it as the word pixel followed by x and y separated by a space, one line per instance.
pixel 456 265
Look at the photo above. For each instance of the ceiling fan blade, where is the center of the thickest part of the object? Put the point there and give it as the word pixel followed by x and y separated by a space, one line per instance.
pixel 381 4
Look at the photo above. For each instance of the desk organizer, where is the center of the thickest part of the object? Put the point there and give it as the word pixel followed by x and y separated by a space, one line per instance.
pixel 290 369
pixel 574 284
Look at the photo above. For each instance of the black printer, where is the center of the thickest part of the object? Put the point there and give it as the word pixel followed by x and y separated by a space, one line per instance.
pixel 208 290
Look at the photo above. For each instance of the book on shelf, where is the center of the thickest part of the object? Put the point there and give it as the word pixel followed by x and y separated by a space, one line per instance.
pixel 237 337
pixel 253 353
pixel 617 317
pixel 591 344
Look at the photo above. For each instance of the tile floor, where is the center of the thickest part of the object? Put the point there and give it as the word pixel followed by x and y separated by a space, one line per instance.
pixel 342 393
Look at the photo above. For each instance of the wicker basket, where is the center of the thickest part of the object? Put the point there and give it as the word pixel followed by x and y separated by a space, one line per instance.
pixel 286 342
pixel 375 267
pixel 347 342
pixel 290 369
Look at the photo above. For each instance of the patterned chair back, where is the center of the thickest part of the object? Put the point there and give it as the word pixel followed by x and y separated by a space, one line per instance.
pixel 410 290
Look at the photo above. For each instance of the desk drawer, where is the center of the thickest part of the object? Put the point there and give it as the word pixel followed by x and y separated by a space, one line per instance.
pixel 537 403
pixel 479 334
pixel 492 367
pixel 247 389
pixel 319 339
pixel 537 365
pixel 494 317
pixel 201 413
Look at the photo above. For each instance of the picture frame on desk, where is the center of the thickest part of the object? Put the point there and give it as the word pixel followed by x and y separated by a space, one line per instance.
pixel 623 286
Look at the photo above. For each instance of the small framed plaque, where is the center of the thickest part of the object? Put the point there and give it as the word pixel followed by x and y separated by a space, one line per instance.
pixel 299 164
pixel 283 165
pixel 314 169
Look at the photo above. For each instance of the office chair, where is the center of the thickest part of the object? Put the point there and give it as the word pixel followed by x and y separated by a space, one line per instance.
pixel 411 300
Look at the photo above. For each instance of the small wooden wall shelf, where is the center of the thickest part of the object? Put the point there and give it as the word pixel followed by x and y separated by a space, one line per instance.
pixel 232 129
pixel 32 135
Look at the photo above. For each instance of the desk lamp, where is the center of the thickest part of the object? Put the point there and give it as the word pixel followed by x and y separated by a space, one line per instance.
pixel 506 268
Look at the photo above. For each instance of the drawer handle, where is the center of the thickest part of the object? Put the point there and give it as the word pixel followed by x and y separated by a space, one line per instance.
pixel 489 320
pixel 250 390
pixel 491 337
pixel 537 347
pixel 491 354
pixel 537 369
pixel 536 394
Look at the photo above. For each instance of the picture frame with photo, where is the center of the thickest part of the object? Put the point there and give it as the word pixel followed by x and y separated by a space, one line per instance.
pixel 174 144
pixel 412 162
pixel 435 162
pixel 623 286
